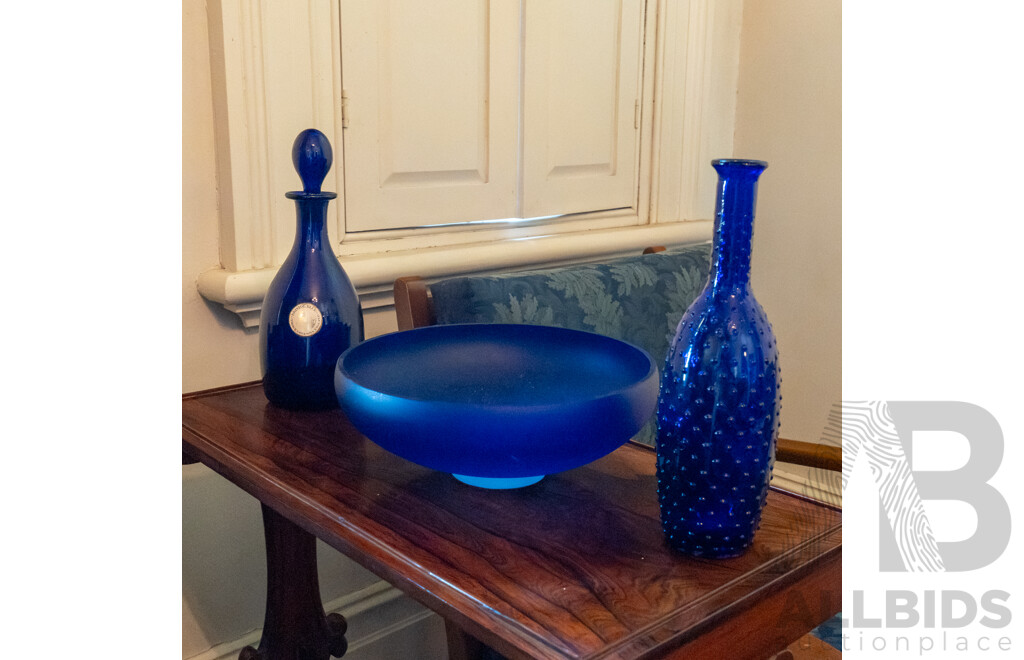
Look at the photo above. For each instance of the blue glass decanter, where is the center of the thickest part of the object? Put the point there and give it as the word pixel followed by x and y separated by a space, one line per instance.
pixel 718 410
pixel 311 312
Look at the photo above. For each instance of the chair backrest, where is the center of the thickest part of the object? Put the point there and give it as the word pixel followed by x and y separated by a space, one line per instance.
pixel 637 299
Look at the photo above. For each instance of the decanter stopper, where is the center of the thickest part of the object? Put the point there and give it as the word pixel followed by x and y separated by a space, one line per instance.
pixel 312 157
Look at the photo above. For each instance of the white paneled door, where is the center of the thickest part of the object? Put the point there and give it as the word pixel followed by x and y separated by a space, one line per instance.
pixel 581 99
pixel 431 111
pixel 462 110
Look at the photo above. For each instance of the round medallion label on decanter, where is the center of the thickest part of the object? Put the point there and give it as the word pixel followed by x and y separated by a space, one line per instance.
pixel 305 319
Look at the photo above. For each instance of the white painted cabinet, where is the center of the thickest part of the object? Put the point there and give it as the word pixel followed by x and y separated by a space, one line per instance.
pixel 461 110
pixel 452 111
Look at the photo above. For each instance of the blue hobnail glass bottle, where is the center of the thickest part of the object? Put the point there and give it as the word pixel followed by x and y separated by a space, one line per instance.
pixel 718 409
pixel 311 312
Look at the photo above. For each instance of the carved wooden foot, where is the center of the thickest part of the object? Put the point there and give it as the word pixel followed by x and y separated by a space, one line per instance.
pixel 295 626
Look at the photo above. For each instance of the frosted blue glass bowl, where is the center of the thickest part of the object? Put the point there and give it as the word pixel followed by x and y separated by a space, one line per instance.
pixel 496 405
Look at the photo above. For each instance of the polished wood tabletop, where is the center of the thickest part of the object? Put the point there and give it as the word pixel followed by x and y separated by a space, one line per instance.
pixel 572 567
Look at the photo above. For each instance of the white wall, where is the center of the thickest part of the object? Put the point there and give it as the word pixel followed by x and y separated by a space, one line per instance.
pixel 788 114
pixel 214 351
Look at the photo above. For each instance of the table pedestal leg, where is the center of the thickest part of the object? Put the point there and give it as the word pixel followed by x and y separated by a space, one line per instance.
pixel 295 626
pixel 463 646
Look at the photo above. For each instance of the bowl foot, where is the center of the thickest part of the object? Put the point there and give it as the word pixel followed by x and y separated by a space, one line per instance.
pixel 498 483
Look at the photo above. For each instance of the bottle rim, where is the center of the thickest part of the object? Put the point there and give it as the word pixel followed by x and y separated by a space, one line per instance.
pixel 740 162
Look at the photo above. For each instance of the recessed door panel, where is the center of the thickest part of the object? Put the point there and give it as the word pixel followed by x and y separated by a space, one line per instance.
pixel 431 111
pixel 581 89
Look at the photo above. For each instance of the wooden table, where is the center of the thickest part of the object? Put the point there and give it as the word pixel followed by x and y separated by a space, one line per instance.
pixel 572 567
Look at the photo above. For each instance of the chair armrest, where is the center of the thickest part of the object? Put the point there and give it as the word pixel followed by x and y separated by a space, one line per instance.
pixel 810 454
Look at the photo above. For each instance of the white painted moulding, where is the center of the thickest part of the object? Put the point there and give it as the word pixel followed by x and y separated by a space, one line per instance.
pixel 243 292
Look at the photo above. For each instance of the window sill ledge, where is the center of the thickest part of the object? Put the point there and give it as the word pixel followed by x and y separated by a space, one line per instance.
pixel 374 274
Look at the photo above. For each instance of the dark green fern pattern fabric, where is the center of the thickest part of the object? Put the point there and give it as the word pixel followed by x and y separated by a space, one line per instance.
pixel 636 299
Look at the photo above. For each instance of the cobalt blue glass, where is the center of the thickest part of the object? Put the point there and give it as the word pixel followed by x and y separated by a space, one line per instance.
pixel 311 312
pixel 718 408
pixel 497 405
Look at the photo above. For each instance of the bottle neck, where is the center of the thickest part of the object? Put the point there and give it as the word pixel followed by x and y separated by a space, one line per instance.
pixel 734 222
pixel 311 218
